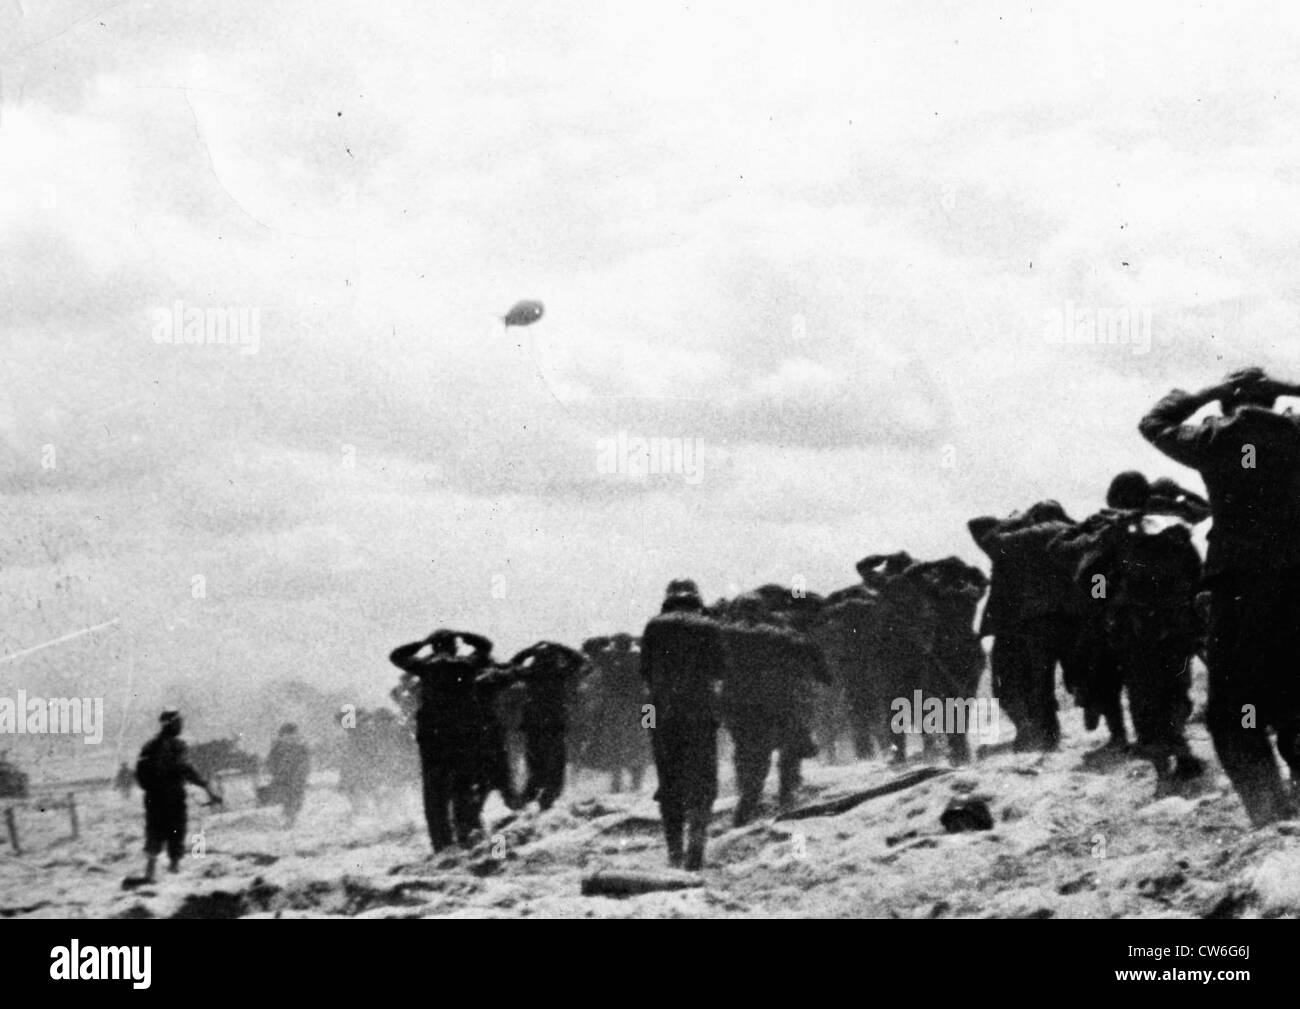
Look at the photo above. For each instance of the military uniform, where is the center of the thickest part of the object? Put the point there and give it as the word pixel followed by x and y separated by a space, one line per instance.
pixel 682 658
pixel 162 771
pixel 1250 462
pixel 449 732
pixel 1153 629
pixel 1151 572
pixel 850 636
pixel 766 706
pixel 901 636
pixel 501 709
pixel 1033 613
pixel 610 700
pixel 954 660
pixel 549 673
pixel 1088 548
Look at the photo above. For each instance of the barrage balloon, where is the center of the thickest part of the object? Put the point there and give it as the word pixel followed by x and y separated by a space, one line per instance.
pixel 524 313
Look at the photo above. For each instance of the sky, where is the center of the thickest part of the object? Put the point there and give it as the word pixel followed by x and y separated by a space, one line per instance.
pixel 823 251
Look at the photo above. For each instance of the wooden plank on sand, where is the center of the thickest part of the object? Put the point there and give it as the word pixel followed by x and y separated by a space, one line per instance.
pixel 843 803
pixel 629 882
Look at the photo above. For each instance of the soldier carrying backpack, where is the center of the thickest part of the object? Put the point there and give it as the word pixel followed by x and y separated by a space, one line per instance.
pixel 162 771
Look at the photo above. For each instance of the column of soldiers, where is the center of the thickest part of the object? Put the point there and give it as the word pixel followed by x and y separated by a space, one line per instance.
pixel 754 665
pixel 907 626
pixel 1120 601
pixel 584 707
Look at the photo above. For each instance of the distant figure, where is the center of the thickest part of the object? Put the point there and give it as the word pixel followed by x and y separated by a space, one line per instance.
pixel 848 631
pixel 406 695
pixel 450 724
pixel 214 756
pixel 903 636
pixel 953 658
pixel 124 780
pixel 1140 572
pixel 1154 629
pixel 683 658
pixel 501 710
pixel 162 771
pixel 14 783
pixel 611 699
pixel 1100 687
pixel 766 700
pixel 1249 459
pixel 379 759
pixel 549 673
pixel 1034 614
pixel 289 764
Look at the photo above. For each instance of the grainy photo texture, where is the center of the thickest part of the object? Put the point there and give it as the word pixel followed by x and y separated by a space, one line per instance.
pixel 759 460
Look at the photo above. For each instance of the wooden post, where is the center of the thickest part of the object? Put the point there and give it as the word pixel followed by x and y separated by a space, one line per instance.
pixel 13 829
pixel 72 815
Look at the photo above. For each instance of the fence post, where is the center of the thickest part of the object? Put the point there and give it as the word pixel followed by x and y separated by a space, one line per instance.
pixel 13 829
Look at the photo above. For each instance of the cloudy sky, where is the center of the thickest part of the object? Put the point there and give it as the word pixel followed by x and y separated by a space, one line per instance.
pixel 823 246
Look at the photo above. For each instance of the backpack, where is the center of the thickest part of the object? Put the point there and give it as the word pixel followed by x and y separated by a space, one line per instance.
pixel 149 769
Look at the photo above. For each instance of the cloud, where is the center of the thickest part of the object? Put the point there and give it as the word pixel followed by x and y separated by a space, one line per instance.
pixel 820 241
